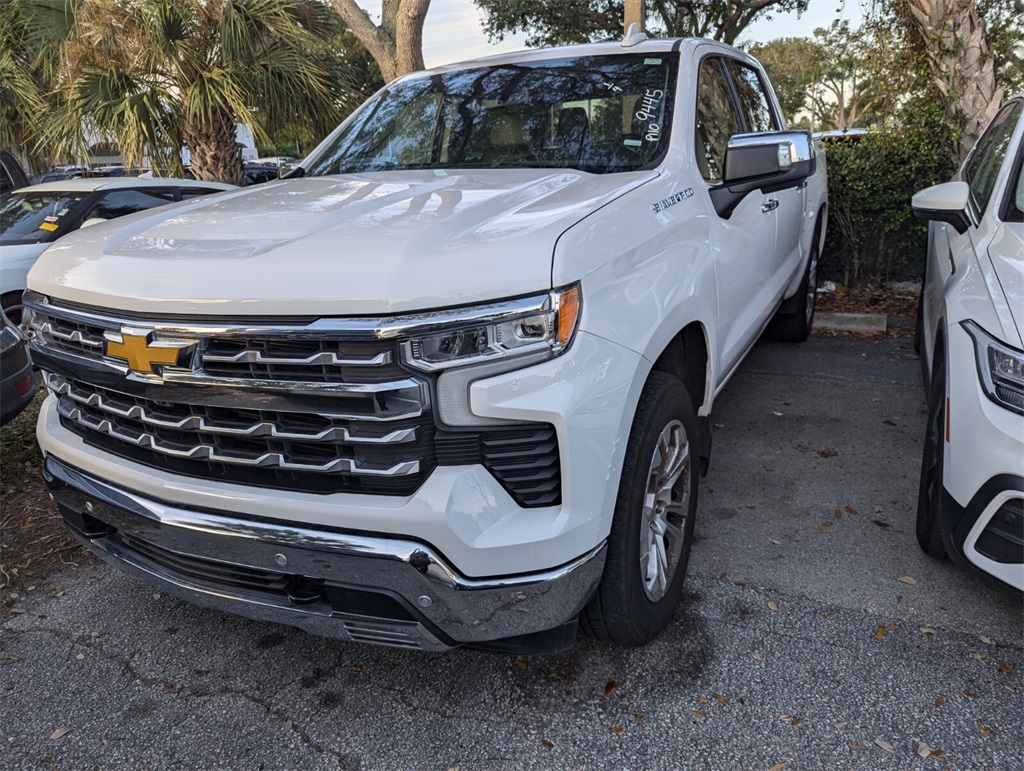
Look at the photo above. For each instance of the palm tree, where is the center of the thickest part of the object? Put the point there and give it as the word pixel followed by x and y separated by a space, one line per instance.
pixel 31 33
pixel 156 75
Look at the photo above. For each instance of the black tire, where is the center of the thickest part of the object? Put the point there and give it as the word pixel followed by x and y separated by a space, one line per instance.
pixel 792 323
pixel 632 605
pixel 11 303
pixel 929 496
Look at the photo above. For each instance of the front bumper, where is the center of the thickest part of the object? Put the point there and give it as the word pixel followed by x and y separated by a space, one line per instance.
pixel 383 590
pixel 983 472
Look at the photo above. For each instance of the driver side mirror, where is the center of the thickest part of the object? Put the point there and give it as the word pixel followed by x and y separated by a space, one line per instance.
pixel 773 160
pixel 944 203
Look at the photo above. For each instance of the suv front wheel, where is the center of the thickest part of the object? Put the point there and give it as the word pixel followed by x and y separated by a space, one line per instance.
pixel 652 528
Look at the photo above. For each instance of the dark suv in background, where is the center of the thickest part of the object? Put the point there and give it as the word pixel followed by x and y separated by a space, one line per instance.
pixel 12 176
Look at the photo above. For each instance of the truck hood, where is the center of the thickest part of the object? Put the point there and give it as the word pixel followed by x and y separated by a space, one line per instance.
pixel 1007 254
pixel 365 244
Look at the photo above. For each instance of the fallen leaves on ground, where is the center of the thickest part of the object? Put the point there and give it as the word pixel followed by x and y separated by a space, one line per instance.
pixel 970 694
pixel 884 629
pixel 756 656
pixel 856 745
pixel 547 744
pixel 697 713
pixel 985 730
pixel 775 541
pixel 777 767
pixel 521 664
pixel 986 640
pixel 58 733
pixel 639 719
pixel 923 750
pixel 940 700
pixel 702 699
pixel 908 580
pixel 617 730
pixel 1006 669
pixel 796 721
pixel 721 699
pixel 930 630
pixel 610 686
pixel 884 745
pixel 288 725
pixel 773 605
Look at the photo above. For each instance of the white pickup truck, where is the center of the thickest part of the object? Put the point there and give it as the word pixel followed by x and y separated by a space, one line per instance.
pixel 451 382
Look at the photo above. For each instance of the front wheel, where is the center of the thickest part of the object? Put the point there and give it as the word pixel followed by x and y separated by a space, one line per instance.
pixel 11 304
pixel 929 496
pixel 652 527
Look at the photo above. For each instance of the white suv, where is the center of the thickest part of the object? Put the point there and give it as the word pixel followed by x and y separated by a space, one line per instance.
pixel 971 503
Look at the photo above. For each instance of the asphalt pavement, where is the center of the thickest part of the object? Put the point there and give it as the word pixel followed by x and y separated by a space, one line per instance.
pixel 814 634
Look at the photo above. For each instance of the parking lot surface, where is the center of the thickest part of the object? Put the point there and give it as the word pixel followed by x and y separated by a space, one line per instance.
pixel 814 634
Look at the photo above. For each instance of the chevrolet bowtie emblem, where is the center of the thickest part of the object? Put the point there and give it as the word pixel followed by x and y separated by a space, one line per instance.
pixel 142 353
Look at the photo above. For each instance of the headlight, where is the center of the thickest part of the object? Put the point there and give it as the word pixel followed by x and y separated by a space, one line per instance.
pixel 1000 368
pixel 537 327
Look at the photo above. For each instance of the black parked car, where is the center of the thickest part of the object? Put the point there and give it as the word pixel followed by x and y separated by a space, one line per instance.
pixel 12 176
pixel 17 385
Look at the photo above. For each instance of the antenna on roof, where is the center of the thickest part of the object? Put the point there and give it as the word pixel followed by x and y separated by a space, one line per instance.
pixel 633 36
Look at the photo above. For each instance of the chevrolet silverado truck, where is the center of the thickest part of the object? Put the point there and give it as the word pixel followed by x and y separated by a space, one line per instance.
pixel 450 382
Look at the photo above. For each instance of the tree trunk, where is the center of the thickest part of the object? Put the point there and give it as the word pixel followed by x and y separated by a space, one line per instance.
pixel 397 44
pixel 216 154
pixel 962 65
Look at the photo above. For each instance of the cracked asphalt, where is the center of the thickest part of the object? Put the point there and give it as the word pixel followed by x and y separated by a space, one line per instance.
pixel 797 643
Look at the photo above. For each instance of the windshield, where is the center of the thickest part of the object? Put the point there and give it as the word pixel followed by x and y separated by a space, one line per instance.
pixel 32 218
pixel 599 114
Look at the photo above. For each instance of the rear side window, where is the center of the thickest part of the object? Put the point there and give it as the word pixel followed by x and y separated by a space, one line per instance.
pixel 984 162
pixel 757 113
pixel 188 193
pixel 118 203
pixel 717 120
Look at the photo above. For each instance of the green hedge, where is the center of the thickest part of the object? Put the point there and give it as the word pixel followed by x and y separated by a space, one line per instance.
pixel 873 237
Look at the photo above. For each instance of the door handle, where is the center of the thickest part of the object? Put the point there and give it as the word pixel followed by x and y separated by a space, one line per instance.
pixel 769 205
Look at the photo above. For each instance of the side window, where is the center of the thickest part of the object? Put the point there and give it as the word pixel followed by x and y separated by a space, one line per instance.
pixel 716 119
pixel 6 183
pixel 753 100
pixel 983 164
pixel 188 193
pixel 118 203
pixel 1015 199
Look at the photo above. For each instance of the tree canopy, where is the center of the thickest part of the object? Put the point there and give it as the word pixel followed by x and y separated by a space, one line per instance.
pixel 561 22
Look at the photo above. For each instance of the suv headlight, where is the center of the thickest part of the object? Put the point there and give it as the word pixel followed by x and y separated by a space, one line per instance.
pixel 536 328
pixel 1000 368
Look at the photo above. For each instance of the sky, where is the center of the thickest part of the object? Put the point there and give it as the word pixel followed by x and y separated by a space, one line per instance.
pixel 454 28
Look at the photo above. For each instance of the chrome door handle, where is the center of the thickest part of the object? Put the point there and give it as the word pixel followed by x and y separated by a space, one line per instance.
pixel 769 205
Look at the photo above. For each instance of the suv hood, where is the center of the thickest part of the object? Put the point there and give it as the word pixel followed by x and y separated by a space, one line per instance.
pixel 365 244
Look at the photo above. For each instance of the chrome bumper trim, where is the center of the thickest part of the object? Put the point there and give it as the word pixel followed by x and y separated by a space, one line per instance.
pixel 454 610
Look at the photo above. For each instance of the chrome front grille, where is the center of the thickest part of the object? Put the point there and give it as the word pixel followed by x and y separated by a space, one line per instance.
pixel 267 439
pixel 320 361
pixel 311 405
